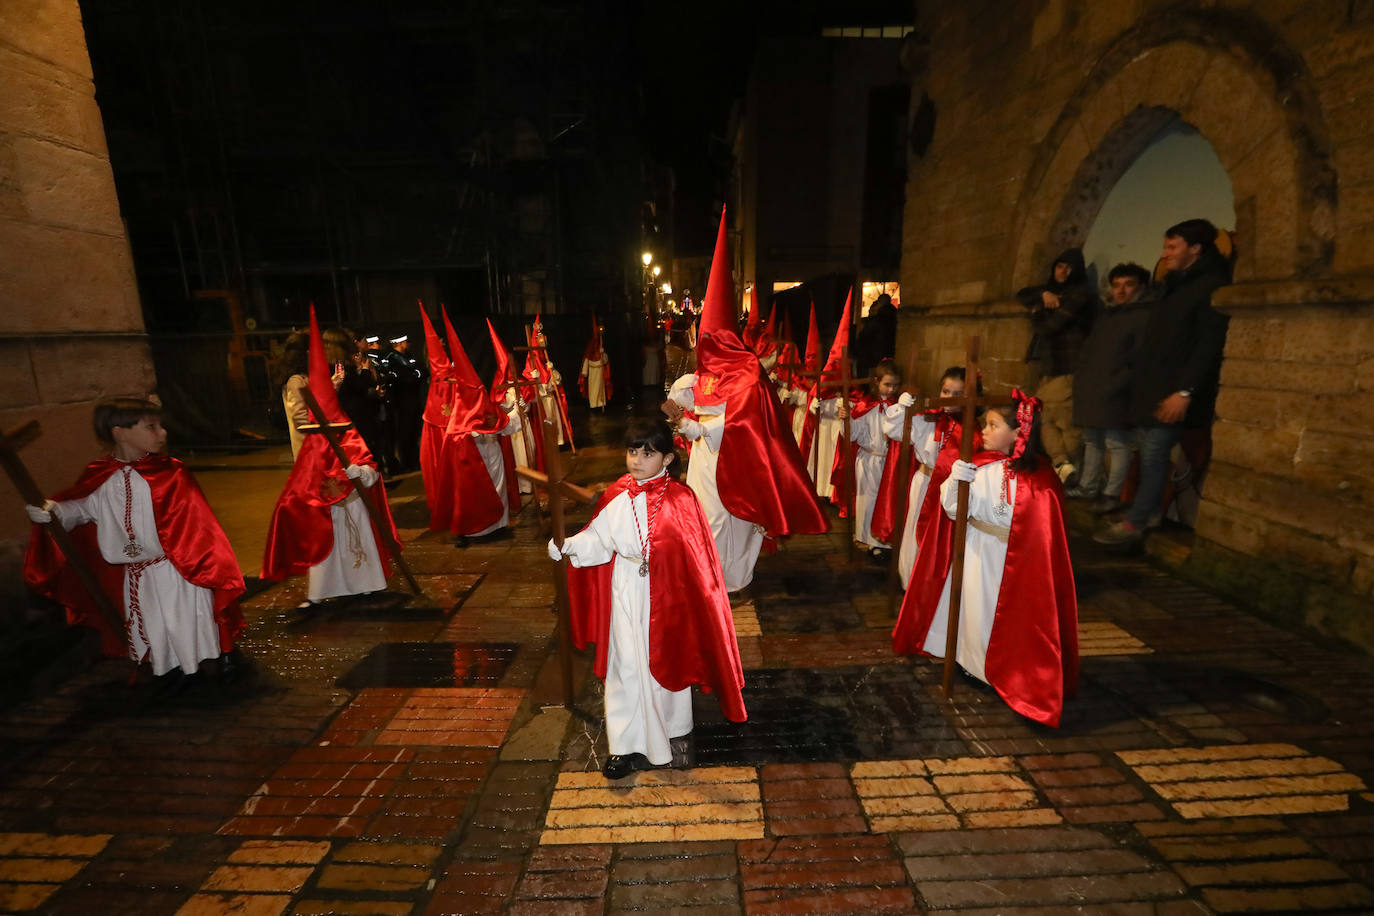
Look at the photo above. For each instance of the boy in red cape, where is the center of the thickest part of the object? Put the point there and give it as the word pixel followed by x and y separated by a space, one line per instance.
pixel 434 469
pixel 142 524
pixel 320 526
pixel 761 489
pixel 594 380
pixel 481 499
pixel 1018 619
pixel 645 585
pixel 933 432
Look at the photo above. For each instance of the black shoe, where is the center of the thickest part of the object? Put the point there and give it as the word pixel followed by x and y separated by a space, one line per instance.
pixel 461 541
pixel 307 608
pixel 174 683
pixel 228 668
pixel 618 766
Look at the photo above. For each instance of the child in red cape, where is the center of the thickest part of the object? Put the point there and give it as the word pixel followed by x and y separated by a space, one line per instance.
pixel 933 432
pixel 1018 619
pixel 646 586
pixel 320 526
pixel 867 414
pixel 141 522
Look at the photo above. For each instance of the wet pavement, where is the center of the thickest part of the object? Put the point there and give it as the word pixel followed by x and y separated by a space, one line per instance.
pixel 404 755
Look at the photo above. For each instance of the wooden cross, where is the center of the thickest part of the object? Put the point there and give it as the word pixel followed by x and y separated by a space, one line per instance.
pixel 905 456
pixel 532 347
pixel 969 402
pixel 331 431
pixel 557 487
pixel 10 444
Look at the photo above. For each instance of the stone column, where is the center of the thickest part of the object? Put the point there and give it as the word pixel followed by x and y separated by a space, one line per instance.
pixel 71 327
pixel 1287 515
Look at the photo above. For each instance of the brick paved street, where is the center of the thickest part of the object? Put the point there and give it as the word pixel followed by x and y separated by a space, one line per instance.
pixel 402 756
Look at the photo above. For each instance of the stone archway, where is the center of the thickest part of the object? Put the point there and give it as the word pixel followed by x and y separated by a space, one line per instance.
pixel 1246 92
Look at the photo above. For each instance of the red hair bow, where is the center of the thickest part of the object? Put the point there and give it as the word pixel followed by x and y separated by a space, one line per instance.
pixel 1027 406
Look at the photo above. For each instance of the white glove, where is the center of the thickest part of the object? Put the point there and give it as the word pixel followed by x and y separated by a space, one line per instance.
pixel 554 553
pixel 963 470
pixel 784 392
pixel 906 400
pixel 44 514
pixel 364 474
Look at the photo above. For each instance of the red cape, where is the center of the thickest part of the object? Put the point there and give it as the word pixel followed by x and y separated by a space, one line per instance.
pixel 195 545
pixel 434 470
pixel 691 630
pixel 889 495
pixel 1032 658
pixel 762 478
pixel 537 367
pixel 861 404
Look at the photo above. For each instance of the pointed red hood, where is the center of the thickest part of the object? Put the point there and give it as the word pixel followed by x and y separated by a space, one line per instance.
pixel 753 323
pixel 593 350
pixel 321 382
pixel 813 344
pixel 472 408
pixel 831 374
pixel 537 362
pixel 718 306
pixel 503 375
pixel 439 364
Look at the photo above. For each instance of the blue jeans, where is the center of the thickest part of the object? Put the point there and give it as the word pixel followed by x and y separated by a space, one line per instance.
pixel 1117 445
pixel 1156 442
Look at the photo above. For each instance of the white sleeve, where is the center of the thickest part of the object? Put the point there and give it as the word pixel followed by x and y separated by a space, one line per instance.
pixel 949 496
pixel 713 428
pixel 690 429
pixel 893 418
pixel 591 546
pixel 73 512
pixel 829 409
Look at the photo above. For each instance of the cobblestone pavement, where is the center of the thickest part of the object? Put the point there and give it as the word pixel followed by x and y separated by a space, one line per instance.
pixel 411 756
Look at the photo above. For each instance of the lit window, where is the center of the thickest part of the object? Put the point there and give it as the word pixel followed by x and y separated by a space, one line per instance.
pixel 894 31
pixel 852 32
pixel 780 286
pixel 830 32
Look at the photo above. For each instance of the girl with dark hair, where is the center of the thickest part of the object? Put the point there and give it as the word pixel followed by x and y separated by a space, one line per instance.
pixel 1018 620
pixel 646 587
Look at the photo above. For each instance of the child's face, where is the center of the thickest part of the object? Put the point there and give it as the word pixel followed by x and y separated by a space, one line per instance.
pixel 952 388
pixel 998 436
pixel 887 386
pixel 643 462
pixel 145 436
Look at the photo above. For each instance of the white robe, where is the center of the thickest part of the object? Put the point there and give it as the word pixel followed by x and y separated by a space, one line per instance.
pixel 870 455
pixel 596 386
pixel 548 402
pixel 797 398
pixel 642 716
pixel 926 452
pixel 297 414
pixel 829 427
pixel 175 625
pixel 354 565
pixel 985 557
pixel 737 541
pixel 489 447
pixel 521 446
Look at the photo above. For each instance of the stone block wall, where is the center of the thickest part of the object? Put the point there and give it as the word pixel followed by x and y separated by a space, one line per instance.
pixel 71 326
pixel 1040 109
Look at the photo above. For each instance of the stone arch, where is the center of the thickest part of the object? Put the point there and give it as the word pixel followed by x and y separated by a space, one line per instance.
pixel 1223 73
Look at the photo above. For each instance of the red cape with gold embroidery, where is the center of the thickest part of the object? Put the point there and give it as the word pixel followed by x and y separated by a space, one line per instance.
pixel 434 469
pixel 889 495
pixel 195 545
pixel 761 477
pixel 1032 659
pixel 691 630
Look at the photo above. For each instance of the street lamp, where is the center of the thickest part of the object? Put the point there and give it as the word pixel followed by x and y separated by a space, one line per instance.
pixel 647 258
pixel 657 270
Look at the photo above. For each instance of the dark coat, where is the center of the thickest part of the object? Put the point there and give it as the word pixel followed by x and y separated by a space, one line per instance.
pixel 1058 334
pixel 877 336
pixel 1102 382
pixel 1181 344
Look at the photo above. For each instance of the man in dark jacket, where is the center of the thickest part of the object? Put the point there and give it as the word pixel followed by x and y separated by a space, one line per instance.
pixel 1061 314
pixel 877 335
pixel 1176 368
pixel 1102 386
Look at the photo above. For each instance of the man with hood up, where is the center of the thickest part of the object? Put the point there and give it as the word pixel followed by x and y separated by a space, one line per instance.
pixel 1061 313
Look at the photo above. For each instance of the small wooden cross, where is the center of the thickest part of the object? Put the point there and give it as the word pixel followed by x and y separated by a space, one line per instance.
pixel 330 431
pixel 969 402
pixel 556 488
pixel 10 444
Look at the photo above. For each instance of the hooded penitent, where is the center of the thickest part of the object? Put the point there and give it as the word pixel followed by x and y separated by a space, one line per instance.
pixel 476 504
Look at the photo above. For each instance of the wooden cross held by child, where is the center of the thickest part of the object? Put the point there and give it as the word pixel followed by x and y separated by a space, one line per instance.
pixel 330 431
pixel 904 459
pixel 10 444
pixel 970 401
pixel 556 487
